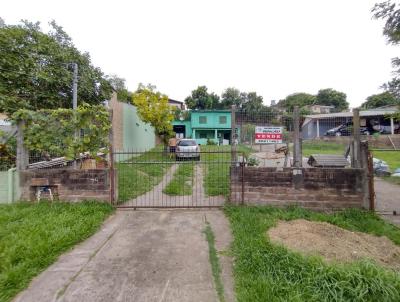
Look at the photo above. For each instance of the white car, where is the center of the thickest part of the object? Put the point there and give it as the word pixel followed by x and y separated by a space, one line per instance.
pixel 187 148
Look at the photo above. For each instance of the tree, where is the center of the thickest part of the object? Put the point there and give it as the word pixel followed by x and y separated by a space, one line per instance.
pixel 118 84
pixel 201 99
pixel 153 108
pixel 331 97
pixel 232 96
pixel 379 100
pixel 390 12
pixel 252 102
pixel 35 70
pixel 300 99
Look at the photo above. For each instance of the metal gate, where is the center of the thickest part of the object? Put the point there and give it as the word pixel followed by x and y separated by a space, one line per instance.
pixel 158 179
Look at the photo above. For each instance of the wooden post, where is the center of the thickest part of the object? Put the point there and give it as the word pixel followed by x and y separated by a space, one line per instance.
pixel 356 156
pixel 297 156
pixel 22 152
pixel 317 128
pixel 233 135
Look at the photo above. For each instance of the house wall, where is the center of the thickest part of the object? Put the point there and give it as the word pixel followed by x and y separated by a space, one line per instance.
pixel 137 135
pixel 188 127
pixel 129 131
pixel 212 120
pixel 318 189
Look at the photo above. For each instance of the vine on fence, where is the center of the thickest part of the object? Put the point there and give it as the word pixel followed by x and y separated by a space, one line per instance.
pixel 53 131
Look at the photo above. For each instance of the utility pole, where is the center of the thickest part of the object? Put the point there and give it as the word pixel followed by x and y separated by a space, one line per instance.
pixel 75 87
pixel 75 100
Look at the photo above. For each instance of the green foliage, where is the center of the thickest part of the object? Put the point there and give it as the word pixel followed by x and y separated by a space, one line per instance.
pixel 265 271
pixel 53 130
pixel 300 99
pixel 35 70
pixel 201 99
pixel 118 84
pixel 182 182
pixel 33 236
pixel 331 97
pixel 214 261
pixel 232 96
pixel 211 142
pixel 153 108
pixel 389 11
pixel 379 100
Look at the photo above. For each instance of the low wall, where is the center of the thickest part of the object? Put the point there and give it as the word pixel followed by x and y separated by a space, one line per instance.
pixel 67 184
pixel 314 188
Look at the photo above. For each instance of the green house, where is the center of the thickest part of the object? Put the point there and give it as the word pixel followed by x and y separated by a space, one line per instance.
pixel 206 125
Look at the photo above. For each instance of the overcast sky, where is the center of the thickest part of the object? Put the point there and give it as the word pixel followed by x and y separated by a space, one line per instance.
pixel 272 47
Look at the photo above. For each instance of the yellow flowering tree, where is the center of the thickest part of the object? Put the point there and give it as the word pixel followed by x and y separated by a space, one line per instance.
pixel 153 108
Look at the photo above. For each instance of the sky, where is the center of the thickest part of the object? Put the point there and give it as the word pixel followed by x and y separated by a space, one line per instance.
pixel 272 47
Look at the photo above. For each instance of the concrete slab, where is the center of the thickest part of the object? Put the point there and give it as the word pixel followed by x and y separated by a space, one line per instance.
pixel 142 255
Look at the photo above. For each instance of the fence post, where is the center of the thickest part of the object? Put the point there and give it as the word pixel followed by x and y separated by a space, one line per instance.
pixel 368 179
pixel 297 156
pixel 111 159
pixel 356 150
pixel 233 135
pixel 22 152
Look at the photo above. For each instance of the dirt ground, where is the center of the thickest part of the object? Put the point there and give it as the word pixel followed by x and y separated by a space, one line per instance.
pixel 334 243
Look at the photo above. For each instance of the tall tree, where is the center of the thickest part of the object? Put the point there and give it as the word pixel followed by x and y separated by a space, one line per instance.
pixel 118 84
pixel 232 96
pixel 200 98
pixel 252 102
pixel 300 99
pixel 331 97
pixel 379 100
pixel 35 69
pixel 389 12
pixel 153 108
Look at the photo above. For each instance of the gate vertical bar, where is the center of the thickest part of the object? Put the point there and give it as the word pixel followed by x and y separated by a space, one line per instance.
pixel 356 156
pixel 111 151
pixel 233 135
pixel 297 156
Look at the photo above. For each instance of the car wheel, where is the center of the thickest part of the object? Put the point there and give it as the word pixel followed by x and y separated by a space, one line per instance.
pixel 338 134
pixel 367 133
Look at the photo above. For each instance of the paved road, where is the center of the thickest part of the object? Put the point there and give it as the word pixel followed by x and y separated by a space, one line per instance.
pixel 143 255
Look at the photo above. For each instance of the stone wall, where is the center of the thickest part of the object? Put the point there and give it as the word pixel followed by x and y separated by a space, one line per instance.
pixel 67 184
pixel 314 188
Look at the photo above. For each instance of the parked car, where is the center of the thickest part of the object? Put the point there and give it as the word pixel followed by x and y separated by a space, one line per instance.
pixel 187 149
pixel 346 130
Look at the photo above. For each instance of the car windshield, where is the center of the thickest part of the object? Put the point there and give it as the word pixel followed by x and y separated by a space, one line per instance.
pixel 187 143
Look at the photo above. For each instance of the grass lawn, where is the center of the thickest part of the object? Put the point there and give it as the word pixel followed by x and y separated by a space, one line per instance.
pixel 216 169
pixel 182 182
pixel 320 147
pixel 140 174
pixel 391 157
pixel 267 272
pixel 32 236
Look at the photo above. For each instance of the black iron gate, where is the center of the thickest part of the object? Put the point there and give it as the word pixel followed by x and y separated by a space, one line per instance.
pixel 158 179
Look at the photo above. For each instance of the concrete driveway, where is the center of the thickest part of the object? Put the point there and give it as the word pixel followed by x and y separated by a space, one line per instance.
pixel 142 255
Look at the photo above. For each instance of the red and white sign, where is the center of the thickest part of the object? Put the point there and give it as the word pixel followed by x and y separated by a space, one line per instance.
pixel 268 135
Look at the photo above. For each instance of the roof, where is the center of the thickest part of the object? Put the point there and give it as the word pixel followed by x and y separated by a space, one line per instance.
pixel 327 160
pixel 372 112
pixel 174 101
pixel 211 111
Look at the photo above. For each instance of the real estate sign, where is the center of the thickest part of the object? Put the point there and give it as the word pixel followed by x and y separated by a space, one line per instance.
pixel 268 135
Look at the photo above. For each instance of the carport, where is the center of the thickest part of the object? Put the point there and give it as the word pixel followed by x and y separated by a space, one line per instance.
pixel 316 125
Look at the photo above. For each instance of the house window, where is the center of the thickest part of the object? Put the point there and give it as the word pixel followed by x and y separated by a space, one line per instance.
pixel 222 119
pixel 202 120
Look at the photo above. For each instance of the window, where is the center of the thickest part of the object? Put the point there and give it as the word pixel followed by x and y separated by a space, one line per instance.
pixel 202 120
pixel 222 119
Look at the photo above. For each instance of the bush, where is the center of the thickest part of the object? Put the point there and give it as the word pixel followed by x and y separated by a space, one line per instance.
pixel 210 142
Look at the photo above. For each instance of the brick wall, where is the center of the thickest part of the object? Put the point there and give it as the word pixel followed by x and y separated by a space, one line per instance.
pixel 68 184
pixel 319 189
